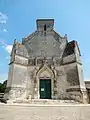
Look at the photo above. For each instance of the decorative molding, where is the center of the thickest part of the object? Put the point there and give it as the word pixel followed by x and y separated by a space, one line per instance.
pixel 45 68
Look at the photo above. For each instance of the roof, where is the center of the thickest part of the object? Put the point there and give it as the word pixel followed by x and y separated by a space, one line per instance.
pixel 70 48
pixel 44 20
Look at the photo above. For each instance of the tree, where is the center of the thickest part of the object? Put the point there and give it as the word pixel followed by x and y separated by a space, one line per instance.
pixel 3 86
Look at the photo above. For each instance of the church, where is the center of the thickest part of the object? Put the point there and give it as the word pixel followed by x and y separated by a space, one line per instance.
pixel 46 66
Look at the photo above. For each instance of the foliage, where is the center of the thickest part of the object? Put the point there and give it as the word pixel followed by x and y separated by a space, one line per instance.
pixel 3 86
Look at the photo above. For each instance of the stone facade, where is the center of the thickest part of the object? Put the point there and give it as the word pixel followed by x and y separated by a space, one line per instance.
pixel 46 55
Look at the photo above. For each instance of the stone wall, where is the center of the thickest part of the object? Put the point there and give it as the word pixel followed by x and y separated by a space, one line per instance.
pixel 72 74
pixel 69 59
pixel 21 60
pixel 61 81
pixel 18 81
pixel 10 75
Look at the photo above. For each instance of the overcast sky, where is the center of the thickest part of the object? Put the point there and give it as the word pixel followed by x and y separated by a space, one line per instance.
pixel 18 19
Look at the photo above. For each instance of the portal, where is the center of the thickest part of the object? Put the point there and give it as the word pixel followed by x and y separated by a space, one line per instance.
pixel 45 89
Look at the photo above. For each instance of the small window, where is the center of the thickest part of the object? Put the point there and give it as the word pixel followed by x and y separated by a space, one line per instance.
pixel 45 27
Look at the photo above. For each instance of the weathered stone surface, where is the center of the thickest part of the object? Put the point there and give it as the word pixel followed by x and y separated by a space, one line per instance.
pixel 46 55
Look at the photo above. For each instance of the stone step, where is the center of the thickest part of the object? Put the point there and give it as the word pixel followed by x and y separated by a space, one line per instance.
pixel 43 101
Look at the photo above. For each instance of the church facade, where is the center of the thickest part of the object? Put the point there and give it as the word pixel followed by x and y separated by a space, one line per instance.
pixel 46 66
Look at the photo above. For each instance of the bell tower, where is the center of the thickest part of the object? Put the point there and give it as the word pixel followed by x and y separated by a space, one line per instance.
pixel 45 24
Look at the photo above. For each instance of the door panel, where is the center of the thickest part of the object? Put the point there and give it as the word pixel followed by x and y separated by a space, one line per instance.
pixel 42 89
pixel 45 88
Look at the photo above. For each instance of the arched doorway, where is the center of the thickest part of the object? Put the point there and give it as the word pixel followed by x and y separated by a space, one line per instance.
pixel 45 83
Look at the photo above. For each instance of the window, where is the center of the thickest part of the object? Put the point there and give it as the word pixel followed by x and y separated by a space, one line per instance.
pixel 45 27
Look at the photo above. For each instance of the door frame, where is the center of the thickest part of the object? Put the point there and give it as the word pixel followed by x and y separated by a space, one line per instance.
pixel 39 75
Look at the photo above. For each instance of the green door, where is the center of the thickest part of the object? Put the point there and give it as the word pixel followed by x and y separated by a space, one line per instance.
pixel 45 88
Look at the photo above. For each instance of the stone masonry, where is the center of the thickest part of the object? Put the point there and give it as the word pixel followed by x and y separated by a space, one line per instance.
pixel 46 55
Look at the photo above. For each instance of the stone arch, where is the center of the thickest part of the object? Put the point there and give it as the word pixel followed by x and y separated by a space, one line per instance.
pixel 45 68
